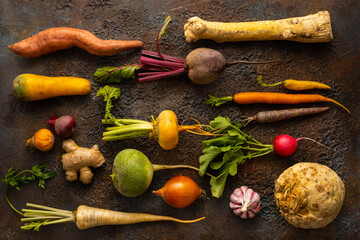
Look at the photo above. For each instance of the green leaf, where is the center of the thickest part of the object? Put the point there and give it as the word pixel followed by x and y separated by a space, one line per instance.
pixel 234 133
pixel 226 148
pixel 229 157
pixel 107 75
pixel 163 30
pixel 233 168
pixel 220 122
pixel 209 154
pixel 222 141
pixel 14 178
pixel 216 101
pixel 109 93
pixel 218 184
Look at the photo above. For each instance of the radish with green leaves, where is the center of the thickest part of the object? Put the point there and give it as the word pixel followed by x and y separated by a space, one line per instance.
pixel 202 65
pixel 232 147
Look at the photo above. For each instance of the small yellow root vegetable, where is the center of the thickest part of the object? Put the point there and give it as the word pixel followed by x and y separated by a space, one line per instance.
pixel 87 217
pixel 42 140
pixel 308 29
pixel 164 129
pixel 32 87
pixel 80 159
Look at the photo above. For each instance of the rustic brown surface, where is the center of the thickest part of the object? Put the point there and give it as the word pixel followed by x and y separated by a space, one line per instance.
pixel 336 63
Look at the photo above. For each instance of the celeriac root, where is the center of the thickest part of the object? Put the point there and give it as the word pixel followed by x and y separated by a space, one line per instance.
pixel 311 28
pixel 80 159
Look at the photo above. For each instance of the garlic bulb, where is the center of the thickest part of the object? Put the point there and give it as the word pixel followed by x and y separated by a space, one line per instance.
pixel 245 202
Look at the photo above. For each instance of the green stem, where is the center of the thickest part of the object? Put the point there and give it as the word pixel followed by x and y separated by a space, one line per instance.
pixel 263 154
pixel 124 121
pixel 36 218
pixel 259 79
pixel 47 208
pixel 260 144
pixel 254 149
pixel 7 200
pixel 126 136
pixel 6 188
pixel 158 167
pixel 130 128
pixel 45 213
pixel 216 101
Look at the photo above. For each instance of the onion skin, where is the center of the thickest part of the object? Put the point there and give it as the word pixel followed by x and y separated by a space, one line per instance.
pixel 179 192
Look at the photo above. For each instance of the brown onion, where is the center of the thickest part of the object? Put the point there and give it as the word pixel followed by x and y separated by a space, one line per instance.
pixel 179 192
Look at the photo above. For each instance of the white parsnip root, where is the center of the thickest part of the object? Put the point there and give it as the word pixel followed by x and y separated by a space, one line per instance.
pixel 80 159
pixel 87 217
pixel 308 29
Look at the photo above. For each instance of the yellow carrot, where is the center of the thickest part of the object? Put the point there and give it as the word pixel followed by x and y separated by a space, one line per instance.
pixel 296 85
pixel 32 87
pixel 303 85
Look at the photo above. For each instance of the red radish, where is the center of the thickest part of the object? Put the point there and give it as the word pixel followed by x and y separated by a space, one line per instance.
pixel 285 145
pixel 233 147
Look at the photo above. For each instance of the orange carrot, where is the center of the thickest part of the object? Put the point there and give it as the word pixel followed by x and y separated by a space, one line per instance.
pixel 296 85
pixel 271 98
pixel 59 38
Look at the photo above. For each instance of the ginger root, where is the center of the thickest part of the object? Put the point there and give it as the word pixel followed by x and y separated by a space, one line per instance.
pixel 80 159
pixel 311 28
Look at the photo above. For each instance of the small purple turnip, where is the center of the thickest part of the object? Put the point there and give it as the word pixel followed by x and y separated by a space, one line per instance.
pixel 64 126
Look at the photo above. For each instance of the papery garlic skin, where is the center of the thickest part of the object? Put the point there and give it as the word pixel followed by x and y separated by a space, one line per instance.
pixel 245 202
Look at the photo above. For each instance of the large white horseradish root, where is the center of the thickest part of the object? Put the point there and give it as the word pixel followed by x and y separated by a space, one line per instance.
pixel 80 159
pixel 87 217
pixel 311 28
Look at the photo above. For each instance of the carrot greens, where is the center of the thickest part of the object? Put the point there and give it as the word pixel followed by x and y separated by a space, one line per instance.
pixel 231 148
pixel 15 178
pixel 109 93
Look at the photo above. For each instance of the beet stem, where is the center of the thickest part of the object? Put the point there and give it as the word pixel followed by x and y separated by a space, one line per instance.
pixel 148 74
pixel 163 75
pixel 167 57
pixel 151 61
pixel 151 68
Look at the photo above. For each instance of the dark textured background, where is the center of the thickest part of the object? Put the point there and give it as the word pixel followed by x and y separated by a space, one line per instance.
pixel 335 63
